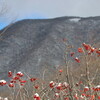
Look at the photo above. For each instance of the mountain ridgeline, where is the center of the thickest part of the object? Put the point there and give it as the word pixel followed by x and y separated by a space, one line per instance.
pixel 30 45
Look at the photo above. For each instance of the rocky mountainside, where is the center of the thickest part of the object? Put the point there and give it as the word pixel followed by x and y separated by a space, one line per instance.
pixel 30 45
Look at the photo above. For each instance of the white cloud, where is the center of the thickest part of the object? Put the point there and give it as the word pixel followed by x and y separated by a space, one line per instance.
pixel 52 8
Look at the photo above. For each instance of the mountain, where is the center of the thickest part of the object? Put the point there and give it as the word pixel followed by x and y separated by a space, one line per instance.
pixel 30 45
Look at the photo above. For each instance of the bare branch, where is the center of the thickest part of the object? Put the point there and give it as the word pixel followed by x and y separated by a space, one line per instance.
pixel 3 8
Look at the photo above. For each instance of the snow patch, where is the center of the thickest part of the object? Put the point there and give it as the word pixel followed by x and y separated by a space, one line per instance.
pixel 75 19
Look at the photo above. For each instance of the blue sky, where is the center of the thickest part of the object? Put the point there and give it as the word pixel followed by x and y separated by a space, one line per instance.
pixel 36 9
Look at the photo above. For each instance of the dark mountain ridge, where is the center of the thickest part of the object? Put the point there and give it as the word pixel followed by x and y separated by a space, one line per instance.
pixel 29 45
